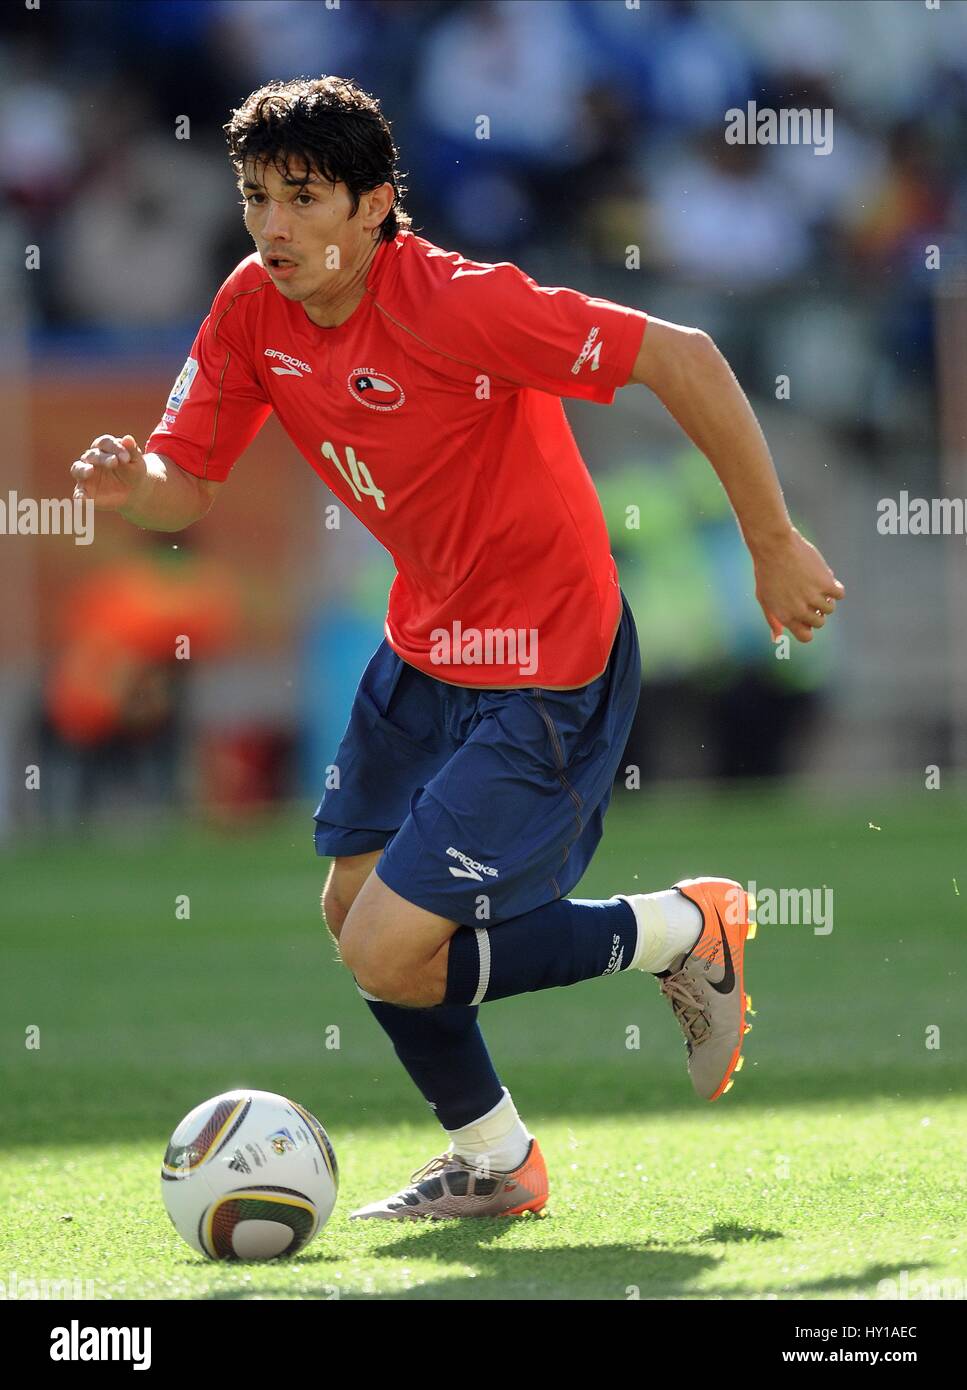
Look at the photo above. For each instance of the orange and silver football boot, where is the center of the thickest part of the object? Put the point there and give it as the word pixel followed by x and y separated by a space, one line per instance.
pixel 452 1186
pixel 706 985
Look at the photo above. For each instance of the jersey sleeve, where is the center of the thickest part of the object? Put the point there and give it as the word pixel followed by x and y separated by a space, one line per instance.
pixel 558 340
pixel 216 406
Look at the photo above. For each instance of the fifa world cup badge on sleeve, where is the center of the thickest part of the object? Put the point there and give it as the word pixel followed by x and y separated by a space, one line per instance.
pixel 182 385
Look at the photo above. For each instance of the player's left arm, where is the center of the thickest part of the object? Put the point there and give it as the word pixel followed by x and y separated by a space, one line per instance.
pixel 686 371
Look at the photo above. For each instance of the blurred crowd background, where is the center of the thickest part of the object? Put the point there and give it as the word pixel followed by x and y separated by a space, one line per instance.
pixel 605 168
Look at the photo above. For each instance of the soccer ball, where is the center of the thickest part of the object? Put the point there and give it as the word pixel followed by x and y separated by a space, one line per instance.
pixel 249 1175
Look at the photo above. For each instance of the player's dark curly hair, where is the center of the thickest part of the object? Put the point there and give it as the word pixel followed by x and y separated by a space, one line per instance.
pixel 330 125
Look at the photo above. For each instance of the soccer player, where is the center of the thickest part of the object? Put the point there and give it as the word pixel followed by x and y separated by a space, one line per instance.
pixel 425 390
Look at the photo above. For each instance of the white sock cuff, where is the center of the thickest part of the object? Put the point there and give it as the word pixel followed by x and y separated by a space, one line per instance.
pixel 492 1127
pixel 652 941
pixel 498 1141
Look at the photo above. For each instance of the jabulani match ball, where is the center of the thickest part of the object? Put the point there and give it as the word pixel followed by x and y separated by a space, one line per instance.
pixel 249 1175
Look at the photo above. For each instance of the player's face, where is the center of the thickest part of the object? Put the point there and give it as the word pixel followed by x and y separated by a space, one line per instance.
pixel 303 231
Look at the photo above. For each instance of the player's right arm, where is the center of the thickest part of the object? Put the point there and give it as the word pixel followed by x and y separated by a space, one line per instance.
pixel 149 490
pixel 214 411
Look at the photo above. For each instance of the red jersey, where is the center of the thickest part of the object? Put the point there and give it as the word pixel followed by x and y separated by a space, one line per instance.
pixel 434 414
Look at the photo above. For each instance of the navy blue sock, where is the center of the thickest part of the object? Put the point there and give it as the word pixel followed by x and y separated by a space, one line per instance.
pixel 446 1057
pixel 558 944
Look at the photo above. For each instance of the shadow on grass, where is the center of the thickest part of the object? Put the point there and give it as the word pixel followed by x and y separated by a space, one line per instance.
pixel 624 1271
pixel 725 1234
pixel 604 1271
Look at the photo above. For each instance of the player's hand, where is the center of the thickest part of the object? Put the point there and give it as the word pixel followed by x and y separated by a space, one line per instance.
pixel 795 587
pixel 109 472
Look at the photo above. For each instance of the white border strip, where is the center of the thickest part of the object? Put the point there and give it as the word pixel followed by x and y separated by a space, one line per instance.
pixel 483 946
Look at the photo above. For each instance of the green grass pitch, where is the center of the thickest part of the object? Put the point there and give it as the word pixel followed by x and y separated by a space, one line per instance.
pixel 835 1162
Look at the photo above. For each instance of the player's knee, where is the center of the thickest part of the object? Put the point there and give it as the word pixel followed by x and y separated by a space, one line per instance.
pixel 376 979
pixel 378 970
pixel 361 954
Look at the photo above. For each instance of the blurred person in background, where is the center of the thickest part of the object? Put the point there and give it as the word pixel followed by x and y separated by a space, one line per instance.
pixel 112 725
pixel 524 64
pixel 715 702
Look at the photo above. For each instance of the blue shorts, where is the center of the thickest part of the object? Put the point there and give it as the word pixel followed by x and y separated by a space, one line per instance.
pixel 486 803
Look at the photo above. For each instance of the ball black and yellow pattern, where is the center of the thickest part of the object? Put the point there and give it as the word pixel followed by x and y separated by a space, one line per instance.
pixel 279 1204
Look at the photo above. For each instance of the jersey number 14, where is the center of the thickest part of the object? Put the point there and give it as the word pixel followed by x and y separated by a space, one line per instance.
pixel 357 476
